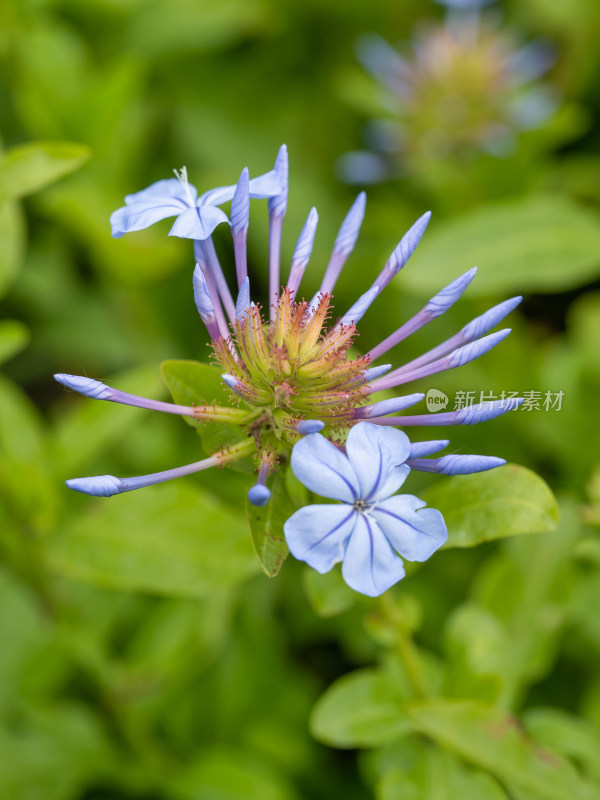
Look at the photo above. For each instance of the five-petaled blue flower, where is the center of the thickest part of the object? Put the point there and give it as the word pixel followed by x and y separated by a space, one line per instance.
pixel 371 526
pixel 197 217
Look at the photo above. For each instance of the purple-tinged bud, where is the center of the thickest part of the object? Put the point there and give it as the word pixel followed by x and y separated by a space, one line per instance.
pixel 350 227
pixel 88 386
pixel 278 204
pixel 231 382
pixel 243 299
pixel 360 308
pixel 450 294
pixel 403 250
pixel 99 486
pixel 376 372
pixel 202 297
pixel 303 251
pixel 473 350
pixel 391 406
pixel 240 205
pixel 307 426
pixel 420 449
pixel 489 319
pixel 259 495
pixel 456 464
pixel 482 412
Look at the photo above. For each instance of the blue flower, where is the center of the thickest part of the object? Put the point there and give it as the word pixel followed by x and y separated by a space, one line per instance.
pixel 370 527
pixel 197 217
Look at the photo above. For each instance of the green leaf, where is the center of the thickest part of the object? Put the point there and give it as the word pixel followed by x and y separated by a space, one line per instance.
pixel 29 167
pixel 494 740
pixel 491 505
pixel 266 526
pixel 328 594
pixel 14 336
pixel 362 709
pixel 175 540
pixel 12 243
pixel 193 383
pixel 439 775
pixel 533 244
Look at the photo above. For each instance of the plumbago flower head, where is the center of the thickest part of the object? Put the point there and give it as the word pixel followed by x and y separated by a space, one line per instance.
pixel 288 372
pixel 460 88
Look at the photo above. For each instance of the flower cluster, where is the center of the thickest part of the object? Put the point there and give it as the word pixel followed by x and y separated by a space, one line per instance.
pixel 465 87
pixel 291 375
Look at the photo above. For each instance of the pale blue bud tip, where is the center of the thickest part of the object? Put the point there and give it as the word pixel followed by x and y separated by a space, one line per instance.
pixel 99 486
pixel 307 426
pixel 88 386
pixel 259 495
pixel 230 381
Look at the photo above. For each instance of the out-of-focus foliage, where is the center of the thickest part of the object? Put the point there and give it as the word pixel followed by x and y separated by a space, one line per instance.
pixel 145 654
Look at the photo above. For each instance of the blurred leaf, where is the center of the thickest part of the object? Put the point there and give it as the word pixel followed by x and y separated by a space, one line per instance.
pixel 230 774
pixel 361 709
pixel 12 243
pixel 494 740
pixel 439 775
pixel 567 734
pixel 29 167
pixel 14 336
pixel 491 505
pixel 266 526
pixel 542 243
pixel 328 594
pixel 175 540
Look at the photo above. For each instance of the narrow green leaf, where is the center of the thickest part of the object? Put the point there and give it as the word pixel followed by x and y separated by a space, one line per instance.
pixel 494 740
pixel 532 244
pixel 14 336
pixel 362 709
pixel 175 540
pixel 29 167
pixel 266 526
pixel 491 505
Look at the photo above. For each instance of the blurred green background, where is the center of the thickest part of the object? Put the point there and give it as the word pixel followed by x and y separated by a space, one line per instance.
pixel 143 655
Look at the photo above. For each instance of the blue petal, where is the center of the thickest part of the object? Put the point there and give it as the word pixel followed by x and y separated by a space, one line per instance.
pixel 198 222
pixel 268 185
pixel 413 530
pixel 138 216
pixel 318 534
pixel 162 191
pixel 370 564
pixel 376 454
pixel 323 469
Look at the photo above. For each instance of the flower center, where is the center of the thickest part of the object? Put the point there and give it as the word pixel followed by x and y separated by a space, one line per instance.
pixel 360 505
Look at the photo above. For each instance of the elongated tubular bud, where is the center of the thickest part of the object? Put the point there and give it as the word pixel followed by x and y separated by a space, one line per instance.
pixel 403 251
pixel 471 331
pixel 307 426
pixel 213 292
pixel 456 464
pixel 215 268
pixel 420 449
pixel 277 209
pixel 240 214
pixel 108 485
pixel 302 252
pixel 204 303
pixel 344 243
pixel 471 415
pixel 391 406
pixel 243 299
pixel 437 306
pixel 356 312
pixel 376 372
pixel 100 391
pixel 245 390
pixel 258 494
pixel 457 358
